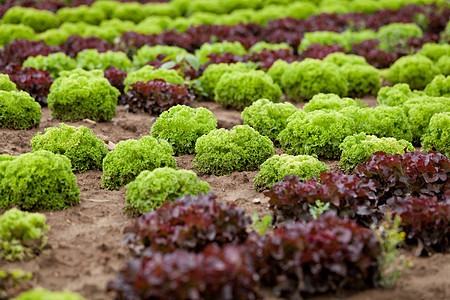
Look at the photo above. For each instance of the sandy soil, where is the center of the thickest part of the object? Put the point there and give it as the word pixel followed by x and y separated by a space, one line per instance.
pixel 86 240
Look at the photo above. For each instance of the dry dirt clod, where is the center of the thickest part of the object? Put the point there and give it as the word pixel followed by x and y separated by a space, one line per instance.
pixel 110 146
pixel 90 121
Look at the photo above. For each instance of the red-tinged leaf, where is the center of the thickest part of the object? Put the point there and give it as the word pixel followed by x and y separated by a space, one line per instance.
pixel 75 44
pixel 425 220
pixel 156 96
pixel 325 255
pixel 430 177
pixel 190 223
pixel 212 274
pixel 35 82
pixel 410 174
pixel 347 194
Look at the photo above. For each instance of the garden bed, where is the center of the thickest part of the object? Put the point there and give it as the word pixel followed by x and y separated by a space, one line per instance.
pixel 86 240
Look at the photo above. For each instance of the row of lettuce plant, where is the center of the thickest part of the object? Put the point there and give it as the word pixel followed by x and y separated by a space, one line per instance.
pixel 407 116
pixel 186 239
pixel 220 52
pixel 208 244
pixel 432 20
pixel 415 175
pixel 55 5
pixel 398 39
pixel 415 186
pixel 377 57
pixel 170 15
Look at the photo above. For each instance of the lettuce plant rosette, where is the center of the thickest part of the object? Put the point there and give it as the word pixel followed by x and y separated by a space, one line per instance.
pixel 275 168
pixel 153 188
pixel 222 152
pixel 129 158
pixel 181 126
pixel 39 180
pixel 80 145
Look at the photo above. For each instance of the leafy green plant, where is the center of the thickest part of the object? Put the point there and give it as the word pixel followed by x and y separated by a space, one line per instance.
pixel 10 280
pixel 261 224
pixel 260 46
pixel 395 95
pixel 277 70
pixel 39 180
pixel 161 9
pixel 301 10
pixel 106 6
pixel 391 236
pixel 39 20
pixel 382 121
pixel 218 48
pixel 6 84
pixel 54 63
pixel 43 294
pixel 445 34
pixel 10 32
pixel 148 26
pixel 359 147
pixel 326 38
pixel 434 51
pixel 91 59
pixel 415 70
pixel 239 90
pixel 275 168
pixel 318 208
pixel 181 126
pixel 420 110
pixel 397 33
pixel 439 87
pixel 222 152
pixel 149 53
pixel 129 158
pixel 105 33
pixel 78 72
pixel 148 73
pixel 80 145
pixel 53 37
pixel 82 13
pixel 206 83
pixel 329 38
pixel 78 97
pixel 341 59
pixel 186 64
pixel 317 133
pixel 153 188
pixel 268 118
pixel 267 13
pixel 302 80
pixel 119 25
pixel 437 135
pixel 328 102
pixel 22 234
pixel 443 64
pixel 131 11
pixel 362 80
pixel 18 110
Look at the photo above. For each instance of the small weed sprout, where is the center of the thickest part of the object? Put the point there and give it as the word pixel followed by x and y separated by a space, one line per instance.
pixel 261 224
pixel 392 264
pixel 318 209
pixel 11 280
